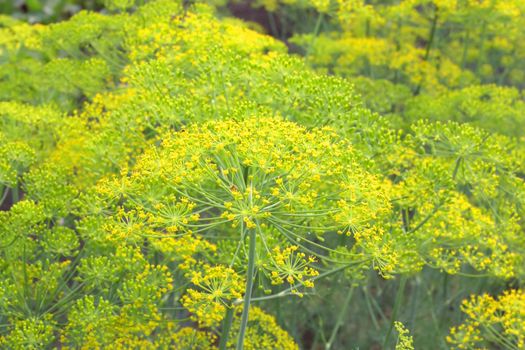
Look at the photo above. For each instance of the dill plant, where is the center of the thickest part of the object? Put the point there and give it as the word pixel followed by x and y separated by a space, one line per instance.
pixel 165 171
pixel 297 186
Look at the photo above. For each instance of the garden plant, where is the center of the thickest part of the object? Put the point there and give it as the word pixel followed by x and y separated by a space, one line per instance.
pixel 324 174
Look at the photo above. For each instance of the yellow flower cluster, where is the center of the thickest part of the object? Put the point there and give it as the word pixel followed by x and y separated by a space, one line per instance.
pixel 218 287
pixel 404 341
pixel 492 322
pixel 292 267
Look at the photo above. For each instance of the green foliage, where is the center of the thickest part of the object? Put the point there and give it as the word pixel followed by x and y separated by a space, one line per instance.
pixel 448 54
pixel 162 167
pixel 491 107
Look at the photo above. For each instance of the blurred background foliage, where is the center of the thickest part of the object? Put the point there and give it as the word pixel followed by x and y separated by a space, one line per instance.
pixel 45 11
pixel 466 58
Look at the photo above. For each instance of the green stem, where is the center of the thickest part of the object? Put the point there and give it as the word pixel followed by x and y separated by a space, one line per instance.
pixel 398 47
pixel 435 321
pixel 370 309
pixel 444 302
pixel 456 167
pixel 248 292
pixel 413 301
pixel 425 220
pixel 15 195
pixel 481 46
pixel 226 326
pixel 5 191
pixel 429 45
pixel 315 33
pixel 273 25
pixel 466 42
pixel 397 304
pixel 506 70
pixel 340 318
pixel 432 35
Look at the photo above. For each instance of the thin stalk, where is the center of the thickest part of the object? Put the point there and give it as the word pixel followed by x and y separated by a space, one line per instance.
pixel 26 279
pixel 5 191
pixel 370 310
pixel 398 46
pixel 425 220
pixel 397 304
pixel 413 301
pixel 499 338
pixel 248 292
pixel 340 318
pixel 377 307
pixel 504 74
pixel 432 35
pixel 321 327
pixel 315 33
pixel 481 46
pixel 444 296
pixel 15 195
pixel 456 168
pixel 226 326
pixel 438 335
pixel 429 45
pixel 273 25
pixel 466 43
